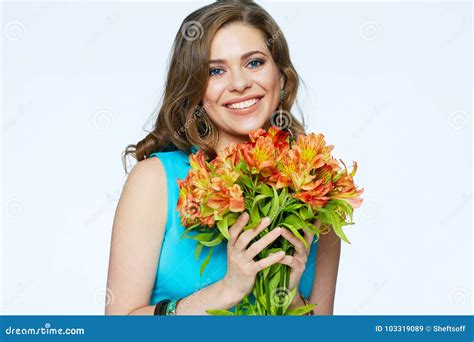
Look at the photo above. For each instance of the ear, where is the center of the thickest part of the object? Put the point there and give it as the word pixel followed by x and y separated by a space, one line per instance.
pixel 282 80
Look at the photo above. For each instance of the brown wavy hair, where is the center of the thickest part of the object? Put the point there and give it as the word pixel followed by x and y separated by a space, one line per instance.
pixel 177 126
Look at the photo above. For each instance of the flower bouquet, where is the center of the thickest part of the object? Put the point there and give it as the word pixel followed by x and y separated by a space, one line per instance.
pixel 295 182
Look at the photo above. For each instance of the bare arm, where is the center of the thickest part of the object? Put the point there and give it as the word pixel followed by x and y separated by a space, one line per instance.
pixel 327 264
pixel 137 235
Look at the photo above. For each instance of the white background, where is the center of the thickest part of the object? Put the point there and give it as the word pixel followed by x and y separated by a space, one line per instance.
pixel 389 84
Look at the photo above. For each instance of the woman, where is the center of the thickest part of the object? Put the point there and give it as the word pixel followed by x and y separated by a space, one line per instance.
pixel 230 71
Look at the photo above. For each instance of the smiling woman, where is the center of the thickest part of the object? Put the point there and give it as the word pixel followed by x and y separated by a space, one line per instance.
pixel 230 73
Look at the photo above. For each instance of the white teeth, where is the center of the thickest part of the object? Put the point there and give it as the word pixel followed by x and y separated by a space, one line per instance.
pixel 242 105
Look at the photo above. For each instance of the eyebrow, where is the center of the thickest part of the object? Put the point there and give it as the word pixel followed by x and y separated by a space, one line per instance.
pixel 245 55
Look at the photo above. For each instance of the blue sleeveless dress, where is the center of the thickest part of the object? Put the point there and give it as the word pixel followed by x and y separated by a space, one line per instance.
pixel 178 270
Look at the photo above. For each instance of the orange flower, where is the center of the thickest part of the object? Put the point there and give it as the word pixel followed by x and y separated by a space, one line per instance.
pixel 260 156
pixel 227 199
pixel 314 151
pixel 298 166
pixel 279 137
pixel 345 189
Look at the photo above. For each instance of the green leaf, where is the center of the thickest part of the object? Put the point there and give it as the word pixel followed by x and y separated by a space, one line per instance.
pixel 302 310
pixel 294 206
pixel 231 218
pixel 220 312
pixel 337 227
pixel 274 281
pixel 188 230
pixel 251 225
pixel 291 296
pixel 245 180
pixel 275 204
pixel 306 213
pixel 205 262
pixel 345 207
pixel 263 188
pixel 255 215
pixel 223 227
pixel 198 250
pixel 212 243
pixel 257 199
pixel 296 233
pixel 203 236
pixel 282 197
pixel 265 207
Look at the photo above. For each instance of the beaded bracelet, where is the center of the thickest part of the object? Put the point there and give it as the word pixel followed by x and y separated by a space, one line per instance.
pixel 171 307
pixel 160 308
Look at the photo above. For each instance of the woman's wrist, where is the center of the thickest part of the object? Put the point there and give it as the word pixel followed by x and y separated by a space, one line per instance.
pixel 296 302
pixel 231 296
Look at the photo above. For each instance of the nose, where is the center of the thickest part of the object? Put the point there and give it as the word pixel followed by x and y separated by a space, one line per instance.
pixel 239 81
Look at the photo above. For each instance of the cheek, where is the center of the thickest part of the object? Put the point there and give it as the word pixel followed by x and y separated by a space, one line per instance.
pixel 214 91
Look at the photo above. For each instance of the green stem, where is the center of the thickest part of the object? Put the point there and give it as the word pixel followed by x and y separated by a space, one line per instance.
pixel 267 296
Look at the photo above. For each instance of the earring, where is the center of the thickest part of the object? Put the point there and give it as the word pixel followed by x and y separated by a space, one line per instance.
pixel 282 97
pixel 207 128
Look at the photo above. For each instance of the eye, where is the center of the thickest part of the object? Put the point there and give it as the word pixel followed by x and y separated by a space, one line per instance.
pixel 254 63
pixel 215 71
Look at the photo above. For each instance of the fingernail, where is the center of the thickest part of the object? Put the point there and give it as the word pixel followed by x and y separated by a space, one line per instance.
pixel 245 215
pixel 266 220
pixel 280 254
pixel 277 230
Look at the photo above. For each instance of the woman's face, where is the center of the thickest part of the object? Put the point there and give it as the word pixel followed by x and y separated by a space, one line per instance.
pixel 244 82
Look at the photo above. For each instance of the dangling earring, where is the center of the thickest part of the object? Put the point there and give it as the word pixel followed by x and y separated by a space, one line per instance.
pixel 209 131
pixel 280 108
pixel 284 122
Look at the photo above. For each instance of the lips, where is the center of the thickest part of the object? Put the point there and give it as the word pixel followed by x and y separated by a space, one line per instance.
pixel 243 102
pixel 244 107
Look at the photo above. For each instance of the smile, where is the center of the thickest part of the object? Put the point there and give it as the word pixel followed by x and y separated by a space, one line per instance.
pixel 243 104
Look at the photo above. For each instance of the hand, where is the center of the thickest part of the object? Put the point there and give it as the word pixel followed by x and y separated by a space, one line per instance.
pixel 297 261
pixel 241 267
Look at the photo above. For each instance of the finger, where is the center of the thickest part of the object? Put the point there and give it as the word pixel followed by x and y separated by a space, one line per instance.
pixel 247 236
pixel 292 262
pixel 262 243
pixel 268 261
pixel 309 237
pixel 237 228
pixel 299 246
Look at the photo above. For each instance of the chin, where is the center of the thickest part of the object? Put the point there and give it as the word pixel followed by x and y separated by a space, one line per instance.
pixel 250 123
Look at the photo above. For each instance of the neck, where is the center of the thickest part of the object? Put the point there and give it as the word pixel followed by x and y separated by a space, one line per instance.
pixel 225 140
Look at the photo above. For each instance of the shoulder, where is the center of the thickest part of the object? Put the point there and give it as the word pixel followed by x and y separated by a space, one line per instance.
pixel 141 202
pixel 149 172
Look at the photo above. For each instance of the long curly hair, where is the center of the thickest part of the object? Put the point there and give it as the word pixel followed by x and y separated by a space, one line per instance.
pixel 177 126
